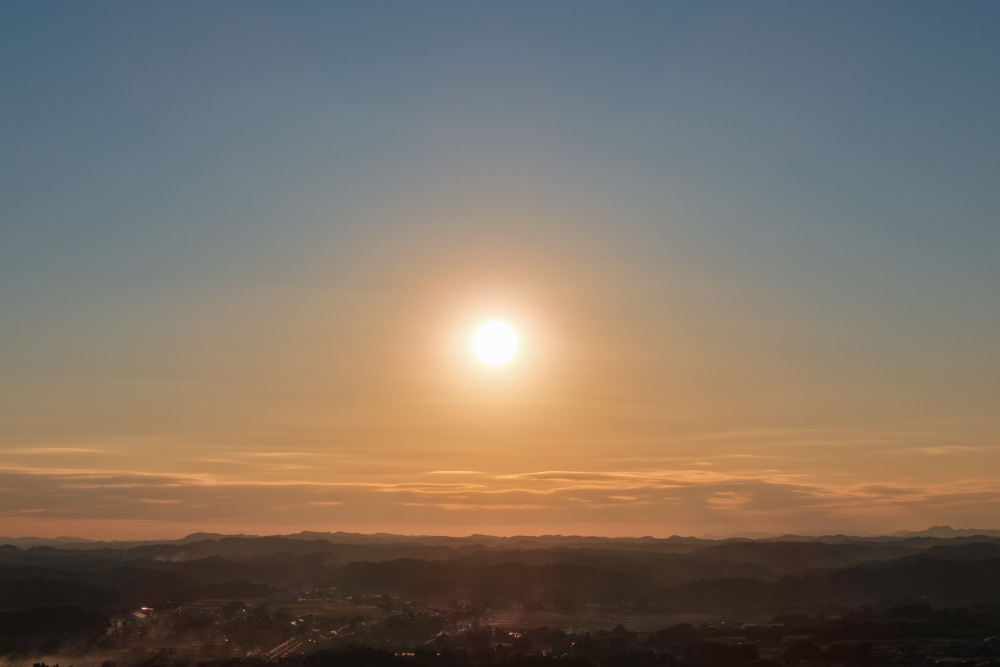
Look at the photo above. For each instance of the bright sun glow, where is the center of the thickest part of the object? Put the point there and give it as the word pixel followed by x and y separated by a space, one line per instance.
pixel 494 343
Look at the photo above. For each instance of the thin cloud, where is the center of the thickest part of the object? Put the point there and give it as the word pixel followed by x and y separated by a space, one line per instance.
pixel 453 507
pixel 56 450
pixel 951 449
pixel 453 472
pixel 276 454
pixel 729 501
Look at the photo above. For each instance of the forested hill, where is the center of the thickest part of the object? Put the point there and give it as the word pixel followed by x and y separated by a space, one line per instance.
pixel 675 575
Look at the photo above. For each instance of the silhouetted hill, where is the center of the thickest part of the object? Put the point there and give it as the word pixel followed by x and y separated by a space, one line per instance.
pixel 794 557
pixel 679 574
pixel 25 591
pixel 973 576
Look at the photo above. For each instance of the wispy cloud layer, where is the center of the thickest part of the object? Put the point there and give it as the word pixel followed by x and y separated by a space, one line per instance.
pixel 664 502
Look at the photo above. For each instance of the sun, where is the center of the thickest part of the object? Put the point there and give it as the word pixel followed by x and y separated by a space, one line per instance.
pixel 494 343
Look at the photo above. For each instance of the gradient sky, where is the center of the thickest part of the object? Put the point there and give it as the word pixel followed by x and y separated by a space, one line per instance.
pixel 752 251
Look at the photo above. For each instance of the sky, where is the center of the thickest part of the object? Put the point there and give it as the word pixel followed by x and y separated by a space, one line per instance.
pixel 750 251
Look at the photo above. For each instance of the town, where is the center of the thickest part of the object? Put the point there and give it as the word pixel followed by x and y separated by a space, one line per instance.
pixel 330 601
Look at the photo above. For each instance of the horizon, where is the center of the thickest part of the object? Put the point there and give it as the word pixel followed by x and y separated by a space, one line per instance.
pixel 516 268
pixel 901 533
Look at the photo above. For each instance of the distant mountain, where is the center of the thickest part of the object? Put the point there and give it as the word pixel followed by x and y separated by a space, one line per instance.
pixel 28 542
pixel 201 537
pixel 947 532
pixel 394 543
